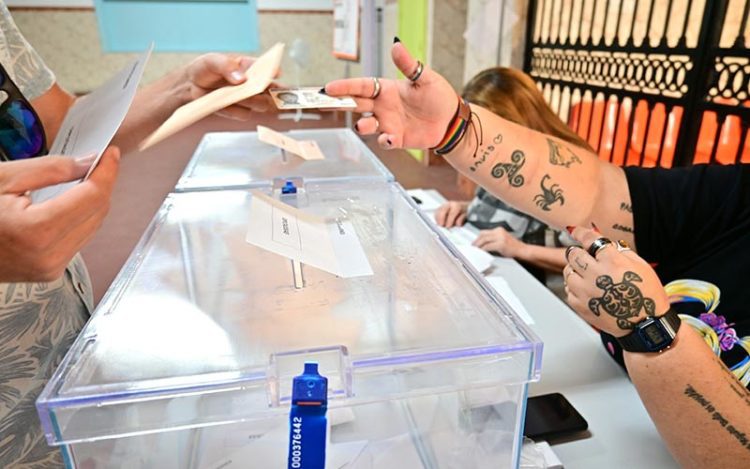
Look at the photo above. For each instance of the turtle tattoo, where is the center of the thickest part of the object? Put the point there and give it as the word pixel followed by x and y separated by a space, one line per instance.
pixel 622 300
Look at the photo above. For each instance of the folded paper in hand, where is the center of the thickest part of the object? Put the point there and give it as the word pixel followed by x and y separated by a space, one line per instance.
pixel 327 244
pixel 305 149
pixel 93 120
pixel 258 77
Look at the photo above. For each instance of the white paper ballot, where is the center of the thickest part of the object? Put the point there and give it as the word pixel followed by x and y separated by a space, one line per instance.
pixel 92 122
pixel 330 245
pixel 501 286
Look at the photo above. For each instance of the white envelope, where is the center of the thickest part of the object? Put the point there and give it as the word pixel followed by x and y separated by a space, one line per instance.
pixel 93 121
pixel 330 245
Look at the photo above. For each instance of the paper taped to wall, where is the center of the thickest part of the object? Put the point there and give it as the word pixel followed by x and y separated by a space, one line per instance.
pixel 305 149
pixel 258 77
pixel 331 245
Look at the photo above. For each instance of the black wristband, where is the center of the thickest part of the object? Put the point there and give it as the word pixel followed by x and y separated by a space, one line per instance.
pixel 652 334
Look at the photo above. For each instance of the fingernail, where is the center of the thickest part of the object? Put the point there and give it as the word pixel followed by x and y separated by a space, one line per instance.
pixel 596 228
pixel 322 90
pixel 396 39
pixel 570 229
pixel 356 126
pixel 237 75
pixel 389 142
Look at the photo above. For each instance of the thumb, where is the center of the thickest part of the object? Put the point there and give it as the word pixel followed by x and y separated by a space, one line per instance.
pixel 105 172
pixel 403 59
pixel 18 177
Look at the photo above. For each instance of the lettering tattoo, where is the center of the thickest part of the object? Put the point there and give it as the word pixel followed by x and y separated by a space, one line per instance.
pixel 626 207
pixel 549 195
pixel 561 155
pixel 619 227
pixel 741 437
pixel 483 153
pixel 518 159
pixel 621 300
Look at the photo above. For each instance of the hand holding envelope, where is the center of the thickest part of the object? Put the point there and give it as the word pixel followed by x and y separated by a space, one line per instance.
pixel 258 77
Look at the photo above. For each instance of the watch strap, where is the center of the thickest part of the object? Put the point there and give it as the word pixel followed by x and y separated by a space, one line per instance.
pixel 634 342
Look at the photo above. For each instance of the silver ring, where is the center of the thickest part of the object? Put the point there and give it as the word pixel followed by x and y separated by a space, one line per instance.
pixel 598 245
pixel 375 93
pixel 568 250
pixel 417 73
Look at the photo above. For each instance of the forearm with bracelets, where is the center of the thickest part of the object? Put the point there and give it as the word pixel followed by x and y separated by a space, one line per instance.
pixel 551 180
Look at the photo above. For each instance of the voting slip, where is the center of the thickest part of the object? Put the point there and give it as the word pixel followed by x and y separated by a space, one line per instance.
pixel 93 120
pixel 257 78
pixel 305 149
pixel 331 245
pixel 308 98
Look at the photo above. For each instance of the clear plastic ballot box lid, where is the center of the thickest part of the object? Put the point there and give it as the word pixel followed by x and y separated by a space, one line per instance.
pixel 239 160
pixel 201 328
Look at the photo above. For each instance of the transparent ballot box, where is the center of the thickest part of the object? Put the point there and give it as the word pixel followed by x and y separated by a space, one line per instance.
pixel 231 160
pixel 188 360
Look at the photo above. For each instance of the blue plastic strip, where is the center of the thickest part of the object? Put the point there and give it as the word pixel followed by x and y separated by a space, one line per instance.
pixel 178 26
pixel 307 420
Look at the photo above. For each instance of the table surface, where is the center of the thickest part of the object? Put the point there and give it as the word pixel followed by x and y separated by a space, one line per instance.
pixel 575 364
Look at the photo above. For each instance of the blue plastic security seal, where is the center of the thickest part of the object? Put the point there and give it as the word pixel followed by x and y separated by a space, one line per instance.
pixel 289 188
pixel 307 420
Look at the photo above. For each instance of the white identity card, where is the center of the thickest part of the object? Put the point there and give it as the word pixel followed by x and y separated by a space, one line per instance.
pixel 93 121
pixel 305 149
pixel 308 98
pixel 327 244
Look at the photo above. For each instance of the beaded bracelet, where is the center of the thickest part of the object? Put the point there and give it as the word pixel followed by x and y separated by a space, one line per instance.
pixel 456 129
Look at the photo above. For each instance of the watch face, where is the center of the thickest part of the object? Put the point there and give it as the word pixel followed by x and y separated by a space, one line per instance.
pixel 655 335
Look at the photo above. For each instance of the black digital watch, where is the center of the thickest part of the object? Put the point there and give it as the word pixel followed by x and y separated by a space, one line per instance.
pixel 652 334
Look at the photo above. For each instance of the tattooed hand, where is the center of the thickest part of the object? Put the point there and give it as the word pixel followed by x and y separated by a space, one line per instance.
pixel 613 291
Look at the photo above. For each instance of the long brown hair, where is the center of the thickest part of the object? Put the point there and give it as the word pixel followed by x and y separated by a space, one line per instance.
pixel 512 95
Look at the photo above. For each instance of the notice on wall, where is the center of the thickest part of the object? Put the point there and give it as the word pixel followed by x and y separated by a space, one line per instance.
pixel 346 29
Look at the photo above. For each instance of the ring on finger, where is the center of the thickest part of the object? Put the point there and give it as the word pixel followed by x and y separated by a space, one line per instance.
pixel 417 73
pixel 568 251
pixel 598 245
pixel 376 91
pixel 623 245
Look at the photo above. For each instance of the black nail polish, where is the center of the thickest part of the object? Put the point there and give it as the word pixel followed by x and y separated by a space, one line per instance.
pixel 396 39
pixel 388 141
pixel 356 126
pixel 322 90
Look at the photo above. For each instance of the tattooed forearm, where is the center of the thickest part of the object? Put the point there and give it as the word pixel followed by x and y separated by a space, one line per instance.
pixel 622 300
pixel 716 416
pixel 511 169
pixel 561 155
pixel 549 195
pixel 484 153
pixel 626 207
pixel 619 227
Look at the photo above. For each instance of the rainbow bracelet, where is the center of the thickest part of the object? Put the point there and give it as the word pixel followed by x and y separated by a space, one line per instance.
pixel 456 129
